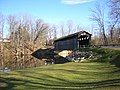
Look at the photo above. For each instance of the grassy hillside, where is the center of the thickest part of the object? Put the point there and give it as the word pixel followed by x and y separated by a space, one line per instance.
pixel 81 76
pixel 106 55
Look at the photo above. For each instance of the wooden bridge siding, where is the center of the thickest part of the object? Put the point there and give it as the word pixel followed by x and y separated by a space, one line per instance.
pixel 67 44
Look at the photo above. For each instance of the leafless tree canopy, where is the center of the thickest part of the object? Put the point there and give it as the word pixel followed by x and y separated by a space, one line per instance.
pixel 114 15
pixel 115 10
pixel 26 36
pixel 98 17
pixel 2 21
pixel 110 34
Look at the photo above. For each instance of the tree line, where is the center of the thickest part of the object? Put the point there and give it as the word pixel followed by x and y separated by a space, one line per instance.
pixel 109 31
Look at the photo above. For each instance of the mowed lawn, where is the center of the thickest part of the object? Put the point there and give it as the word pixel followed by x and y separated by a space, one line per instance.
pixel 71 76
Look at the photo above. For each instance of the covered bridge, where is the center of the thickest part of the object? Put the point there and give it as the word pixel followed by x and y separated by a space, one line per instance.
pixel 73 41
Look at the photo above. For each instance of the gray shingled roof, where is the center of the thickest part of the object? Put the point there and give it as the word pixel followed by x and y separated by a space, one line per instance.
pixel 71 35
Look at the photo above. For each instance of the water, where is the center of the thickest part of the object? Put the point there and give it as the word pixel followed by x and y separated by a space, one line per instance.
pixel 20 62
pixel 38 58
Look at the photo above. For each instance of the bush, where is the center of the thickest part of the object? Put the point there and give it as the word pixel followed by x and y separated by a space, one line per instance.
pixel 108 55
pixel 104 55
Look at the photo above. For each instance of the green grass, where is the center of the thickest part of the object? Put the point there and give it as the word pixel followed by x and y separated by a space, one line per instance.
pixel 107 54
pixel 81 76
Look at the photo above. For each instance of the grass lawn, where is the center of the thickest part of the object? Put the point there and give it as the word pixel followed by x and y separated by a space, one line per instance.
pixel 113 48
pixel 81 76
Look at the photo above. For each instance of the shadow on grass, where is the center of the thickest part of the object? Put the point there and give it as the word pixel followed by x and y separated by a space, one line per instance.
pixel 51 82
pixel 116 60
pixel 116 71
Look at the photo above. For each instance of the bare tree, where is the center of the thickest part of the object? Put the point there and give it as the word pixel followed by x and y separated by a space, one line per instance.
pixel 62 28
pixel 115 12
pixel 114 16
pixel 52 35
pixel 40 32
pixel 70 26
pixel 1 25
pixel 13 26
pixel 1 40
pixel 79 28
pixel 54 32
pixel 24 35
pixel 98 17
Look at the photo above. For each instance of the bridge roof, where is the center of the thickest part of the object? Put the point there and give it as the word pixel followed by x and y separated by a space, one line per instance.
pixel 71 36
